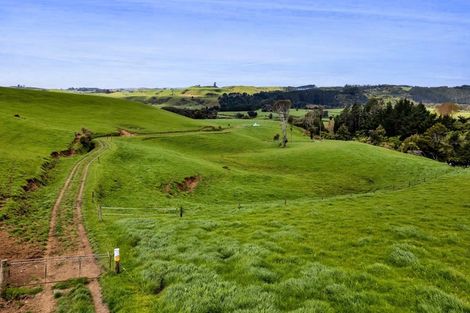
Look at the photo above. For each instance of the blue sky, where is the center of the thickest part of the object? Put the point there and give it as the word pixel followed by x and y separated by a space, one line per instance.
pixel 171 43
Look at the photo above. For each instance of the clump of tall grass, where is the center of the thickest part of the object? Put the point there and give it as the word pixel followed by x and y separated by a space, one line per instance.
pixel 78 299
pixel 410 232
pixel 378 269
pixel 432 299
pixel 314 306
pixel 401 256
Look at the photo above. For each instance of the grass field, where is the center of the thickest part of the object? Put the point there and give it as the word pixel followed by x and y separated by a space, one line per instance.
pixel 33 124
pixel 323 226
pixel 312 228
pixel 47 122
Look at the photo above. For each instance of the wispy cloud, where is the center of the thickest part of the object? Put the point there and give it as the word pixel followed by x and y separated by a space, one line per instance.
pixel 177 42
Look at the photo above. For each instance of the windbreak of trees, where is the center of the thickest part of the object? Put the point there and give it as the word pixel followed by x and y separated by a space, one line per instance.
pixel 333 97
pixel 204 113
pixel 407 127
pixel 329 97
pixel 402 119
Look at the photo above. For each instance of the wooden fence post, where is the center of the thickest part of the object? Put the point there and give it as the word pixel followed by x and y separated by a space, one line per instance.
pixel 3 275
pixel 100 213
pixel 45 271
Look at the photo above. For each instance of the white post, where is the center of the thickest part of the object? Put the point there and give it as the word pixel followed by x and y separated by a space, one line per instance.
pixel 117 261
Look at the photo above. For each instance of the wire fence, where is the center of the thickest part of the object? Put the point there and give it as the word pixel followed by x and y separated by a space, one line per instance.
pixel 148 212
pixel 17 273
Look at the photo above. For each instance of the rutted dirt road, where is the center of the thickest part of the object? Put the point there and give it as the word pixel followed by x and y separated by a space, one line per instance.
pixel 45 302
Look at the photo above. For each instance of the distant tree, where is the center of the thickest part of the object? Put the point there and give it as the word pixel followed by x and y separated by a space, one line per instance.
pixel 464 152
pixel 309 122
pixel 433 143
pixel 331 126
pixel 282 107
pixel 377 136
pixel 252 114
pixel 343 133
pixel 410 144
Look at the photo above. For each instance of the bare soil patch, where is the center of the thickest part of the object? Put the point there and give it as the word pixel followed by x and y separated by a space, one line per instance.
pixel 189 184
pixel 18 306
pixel 11 248
pixel 125 133
pixel 32 184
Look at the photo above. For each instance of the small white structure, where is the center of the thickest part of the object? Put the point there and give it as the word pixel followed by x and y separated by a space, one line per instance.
pixel 256 125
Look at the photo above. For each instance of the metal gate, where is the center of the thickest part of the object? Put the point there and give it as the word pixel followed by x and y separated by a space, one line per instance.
pixel 55 269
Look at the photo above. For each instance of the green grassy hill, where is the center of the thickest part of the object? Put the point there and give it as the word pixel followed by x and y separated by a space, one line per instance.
pixel 318 227
pixel 47 122
pixel 35 123
pixel 326 226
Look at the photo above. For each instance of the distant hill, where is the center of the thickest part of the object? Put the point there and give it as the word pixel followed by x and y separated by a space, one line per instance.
pixel 340 97
pixel 240 98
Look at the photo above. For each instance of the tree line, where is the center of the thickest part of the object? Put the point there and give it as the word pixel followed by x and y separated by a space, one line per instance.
pixel 329 97
pixel 334 97
pixel 407 127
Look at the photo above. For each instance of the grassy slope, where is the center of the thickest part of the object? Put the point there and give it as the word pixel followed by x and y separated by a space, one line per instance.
pixel 364 229
pixel 49 120
pixel 47 123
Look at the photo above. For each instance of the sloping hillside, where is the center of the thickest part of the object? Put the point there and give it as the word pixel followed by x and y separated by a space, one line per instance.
pixel 33 124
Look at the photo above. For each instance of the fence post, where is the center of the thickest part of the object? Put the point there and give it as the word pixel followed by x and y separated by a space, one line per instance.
pixel 3 275
pixel 100 213
pixel 45 271
pixel 117 261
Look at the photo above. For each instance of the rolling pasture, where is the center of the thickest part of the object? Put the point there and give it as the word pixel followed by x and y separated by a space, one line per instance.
pixel 318 227
pixel 195 96
pixel 326 226
pixel 33 124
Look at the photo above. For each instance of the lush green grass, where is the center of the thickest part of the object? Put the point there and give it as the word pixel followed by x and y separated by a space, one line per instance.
pixel 364 229
pixel 324 226
pixel 16 293
pixel 73 296
pixel 47 122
